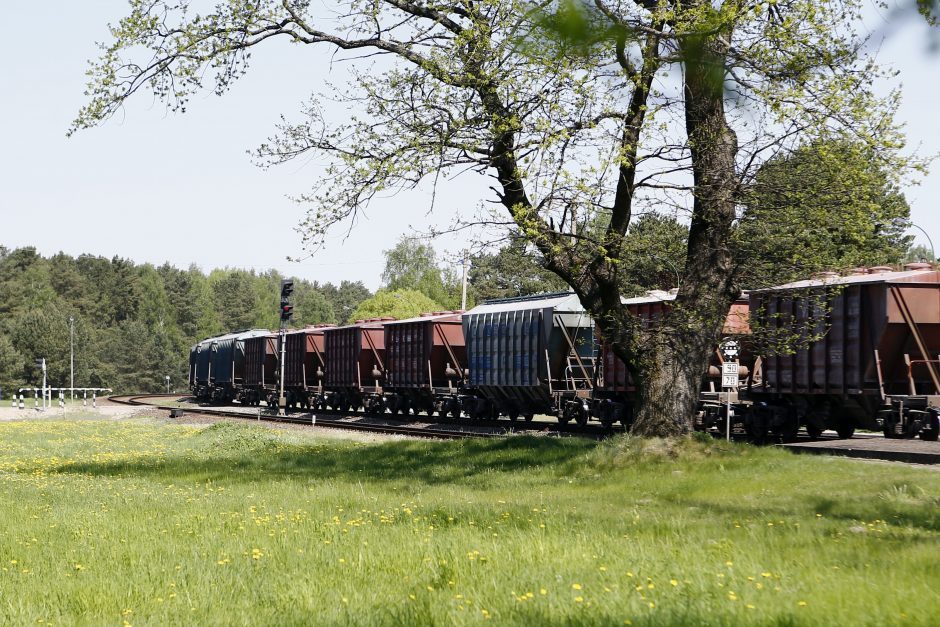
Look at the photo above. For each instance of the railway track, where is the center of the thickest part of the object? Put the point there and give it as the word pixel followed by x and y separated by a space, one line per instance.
pixel 432 430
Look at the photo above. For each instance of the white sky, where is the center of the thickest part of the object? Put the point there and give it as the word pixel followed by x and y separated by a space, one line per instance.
pixel 155 187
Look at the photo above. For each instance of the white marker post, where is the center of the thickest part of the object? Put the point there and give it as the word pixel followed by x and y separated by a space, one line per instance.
pixel 729 382
pixel 730 371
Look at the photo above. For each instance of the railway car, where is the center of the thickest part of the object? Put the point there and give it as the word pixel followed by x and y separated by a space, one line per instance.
pixel 355 370
pixel 425 364
pixel 200 362
pixel 871 362
pixel 305 366
pixel 261 371
pixel 220 366
pixel 613 397
pixel 528 355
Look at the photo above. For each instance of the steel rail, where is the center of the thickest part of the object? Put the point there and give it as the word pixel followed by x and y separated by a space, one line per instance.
pixel 433 432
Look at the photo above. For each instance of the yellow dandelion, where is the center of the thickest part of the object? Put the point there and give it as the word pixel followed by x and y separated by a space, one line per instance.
pixel 673 582
pixel 802 603
pixel 543 591
pixel 579 599
pixel 575 586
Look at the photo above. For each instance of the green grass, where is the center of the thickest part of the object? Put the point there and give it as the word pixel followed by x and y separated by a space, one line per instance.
pixel 107 522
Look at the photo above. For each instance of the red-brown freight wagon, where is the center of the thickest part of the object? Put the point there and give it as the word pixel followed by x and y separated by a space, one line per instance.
pixel 614 390
pixel 872 358
pixel 355 370
pixel 305 365
pixel 425 363
pixel 260 380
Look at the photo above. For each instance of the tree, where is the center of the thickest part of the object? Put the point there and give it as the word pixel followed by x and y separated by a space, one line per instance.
pixel 345 298
pixel 43 333
pixel 919 253
pixel 514 270
pixel 311 306
pixel 654 251
pixel 828 205
pixel 568 107
pixel 235 298
pixel 398 304
pixel 411 265
pixel 12 363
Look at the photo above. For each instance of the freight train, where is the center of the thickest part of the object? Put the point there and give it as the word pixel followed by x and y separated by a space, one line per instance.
pixel 866 355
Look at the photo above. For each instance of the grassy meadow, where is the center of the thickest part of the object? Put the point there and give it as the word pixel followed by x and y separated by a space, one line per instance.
pixel 139 521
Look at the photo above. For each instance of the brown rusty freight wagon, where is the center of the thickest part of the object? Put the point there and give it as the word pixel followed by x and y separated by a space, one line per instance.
pixel 305 366
pixel 425 364
pixel 872 357
pixel 261 362
pixel 355 369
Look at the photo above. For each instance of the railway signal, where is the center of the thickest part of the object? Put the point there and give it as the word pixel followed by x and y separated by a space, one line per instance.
pixel 287 309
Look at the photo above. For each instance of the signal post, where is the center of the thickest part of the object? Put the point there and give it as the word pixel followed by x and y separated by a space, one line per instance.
pixel 287 310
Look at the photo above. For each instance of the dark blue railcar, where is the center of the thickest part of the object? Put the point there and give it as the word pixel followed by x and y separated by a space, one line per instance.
pixel 528 355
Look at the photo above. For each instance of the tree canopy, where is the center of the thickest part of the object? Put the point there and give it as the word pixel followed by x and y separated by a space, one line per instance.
pixel 412 265
pixel 398 304
pixel 134 324
pixel 583 115
pixel 828 205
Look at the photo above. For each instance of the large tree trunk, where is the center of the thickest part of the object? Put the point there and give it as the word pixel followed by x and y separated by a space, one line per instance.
pixel 668 395
pixel 671 376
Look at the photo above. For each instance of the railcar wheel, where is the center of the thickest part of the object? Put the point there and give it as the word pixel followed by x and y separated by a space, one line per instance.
pixel 513 415
pixel 845 428
pixel 581 416
pixel 528 417
pixel 931 429
pixel 814 431
pixel 790 428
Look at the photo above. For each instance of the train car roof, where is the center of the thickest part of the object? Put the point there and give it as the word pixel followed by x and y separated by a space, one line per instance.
pixel 559 301
pixel 897 276
pixel 654 296
pixel 439 315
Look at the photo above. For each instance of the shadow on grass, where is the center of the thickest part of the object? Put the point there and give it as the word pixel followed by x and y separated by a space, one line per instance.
pixel 852 510
pixel 408 461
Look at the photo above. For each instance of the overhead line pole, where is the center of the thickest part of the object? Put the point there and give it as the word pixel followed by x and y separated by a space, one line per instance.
pixel 463 292
pixel 72 355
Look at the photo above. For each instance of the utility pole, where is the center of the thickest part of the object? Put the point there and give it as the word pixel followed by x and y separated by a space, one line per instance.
pixel 465 262
pixel 72 356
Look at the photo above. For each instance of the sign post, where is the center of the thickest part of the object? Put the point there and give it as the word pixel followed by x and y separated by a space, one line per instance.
pixel 730 371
